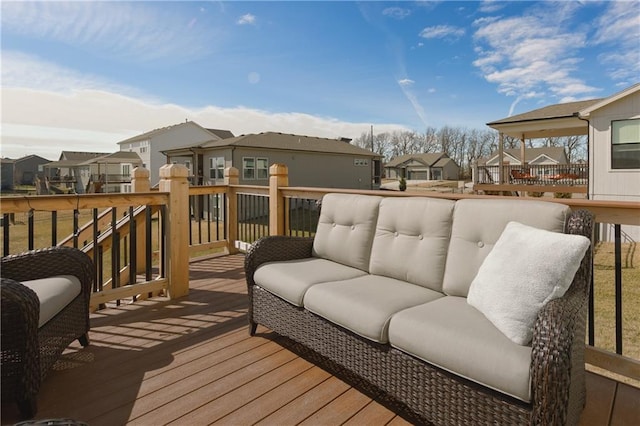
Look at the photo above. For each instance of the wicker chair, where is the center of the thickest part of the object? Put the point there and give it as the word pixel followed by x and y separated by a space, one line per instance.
pixel 29 351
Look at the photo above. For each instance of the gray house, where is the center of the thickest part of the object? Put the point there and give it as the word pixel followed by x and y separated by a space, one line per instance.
pixel 312 161
pixel 432 166
pixel 6 169
pixel 28 168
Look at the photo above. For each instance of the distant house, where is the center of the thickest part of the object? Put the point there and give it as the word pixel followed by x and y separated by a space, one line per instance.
pixel 311 161
pixel 6 172
pixel 87 172
pixel 151 145
pixel 28 168
pixel 432 166
pixel 538 157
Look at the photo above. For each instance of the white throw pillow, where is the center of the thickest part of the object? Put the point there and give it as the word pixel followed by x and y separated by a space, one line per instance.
pixel 527 268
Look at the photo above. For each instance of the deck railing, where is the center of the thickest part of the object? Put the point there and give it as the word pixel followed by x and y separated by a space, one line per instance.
pixel 184 221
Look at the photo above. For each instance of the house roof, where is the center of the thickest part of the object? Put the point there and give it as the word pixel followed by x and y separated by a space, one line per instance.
pixel 284 141
pixel 32 156
pixel 222 134
pixel 565 119
pixel 117 157
pixel 427 159
pixel 79 156
pixel 555 153
pixel 147 135
pixel 443 162
pixel 7 161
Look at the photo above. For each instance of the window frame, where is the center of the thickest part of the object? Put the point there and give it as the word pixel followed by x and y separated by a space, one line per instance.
pixel 216 168
pixel 614 144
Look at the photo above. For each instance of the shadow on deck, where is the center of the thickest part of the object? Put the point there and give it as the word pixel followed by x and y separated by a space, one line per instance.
pixel 192 362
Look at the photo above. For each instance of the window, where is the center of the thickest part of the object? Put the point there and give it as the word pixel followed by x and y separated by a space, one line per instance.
pixel 262 168
pixel 216 168
pixel 625 144
pixel 255 168
pixel 126 170
pixel 248 168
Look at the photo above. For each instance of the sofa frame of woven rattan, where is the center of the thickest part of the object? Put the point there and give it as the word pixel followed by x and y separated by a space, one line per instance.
pixel 29 352
pixel 429 394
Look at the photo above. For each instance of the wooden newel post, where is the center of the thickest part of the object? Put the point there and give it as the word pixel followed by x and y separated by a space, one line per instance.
pixel 232 177
pixel 140 181
pixel 173 179
pixel 278 177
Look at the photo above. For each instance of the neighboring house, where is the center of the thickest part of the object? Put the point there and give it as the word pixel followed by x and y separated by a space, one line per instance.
pixel 613 128
pixel 6 172
pixel 536 158
pixel 151 145
pixel 28 168
pixel 433 166
pixel 311 161
pixel 88 172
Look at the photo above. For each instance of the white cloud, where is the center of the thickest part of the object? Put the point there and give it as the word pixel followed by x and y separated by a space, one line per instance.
pixel 405 82
pixel 619 30
pixel 490 6
pixel 247 19
pixel 135 31
pixel 396 12
pixel 442 31
pixel 534 53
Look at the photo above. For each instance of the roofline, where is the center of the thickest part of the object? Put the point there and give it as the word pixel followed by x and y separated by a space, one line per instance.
pixel 606 101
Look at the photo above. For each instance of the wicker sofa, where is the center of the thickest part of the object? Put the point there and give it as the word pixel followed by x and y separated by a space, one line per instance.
pixel 45 306
pixel 383 292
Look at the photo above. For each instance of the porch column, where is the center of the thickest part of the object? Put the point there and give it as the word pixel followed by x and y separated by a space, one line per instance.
pixel 500 158
pixel 523 159
pixel 278 177
pixel 174 180
pixel 140 181
pixel 232 177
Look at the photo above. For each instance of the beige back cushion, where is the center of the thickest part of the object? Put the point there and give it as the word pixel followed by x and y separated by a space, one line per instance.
pixel 477 225
pixel 345 229
pixel 411 240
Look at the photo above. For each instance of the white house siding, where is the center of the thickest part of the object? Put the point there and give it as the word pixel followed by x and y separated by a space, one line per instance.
pixel 607 183
pixel 181 135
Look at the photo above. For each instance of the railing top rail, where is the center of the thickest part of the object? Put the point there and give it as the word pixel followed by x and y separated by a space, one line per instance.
pixel 79 201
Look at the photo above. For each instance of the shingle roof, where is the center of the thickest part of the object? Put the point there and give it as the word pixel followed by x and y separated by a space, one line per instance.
pixel 284 141
pixel 116 158
pixel 222 134
pixel 80 156
pixel 568 109
pixel 428 159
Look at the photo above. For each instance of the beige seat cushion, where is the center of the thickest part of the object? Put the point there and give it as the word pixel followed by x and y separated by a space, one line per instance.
pixel 54 293
pixel 478 224
pixel 365 304
pixel 453 335
pixel 411 241
pixel 346 227
pixel 291 279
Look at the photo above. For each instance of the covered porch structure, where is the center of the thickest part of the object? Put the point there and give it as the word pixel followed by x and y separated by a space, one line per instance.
pixel 550 121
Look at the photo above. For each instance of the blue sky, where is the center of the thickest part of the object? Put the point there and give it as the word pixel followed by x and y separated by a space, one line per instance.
pixel 85 75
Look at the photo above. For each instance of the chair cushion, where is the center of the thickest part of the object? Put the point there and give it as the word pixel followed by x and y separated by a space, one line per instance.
pixel 291 279
pixel 527 268
pixel 365 304
pixel 345 229
pixel 54 293
pixel 456 337
pixel 411 240
pixel 477 225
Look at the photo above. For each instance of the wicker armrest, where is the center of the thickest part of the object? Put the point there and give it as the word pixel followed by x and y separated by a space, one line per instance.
pixel 557 359
pixel 19 336
pixel 273 249
pixel 48 262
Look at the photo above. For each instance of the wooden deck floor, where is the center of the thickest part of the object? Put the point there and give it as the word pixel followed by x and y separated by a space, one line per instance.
pixel 192 362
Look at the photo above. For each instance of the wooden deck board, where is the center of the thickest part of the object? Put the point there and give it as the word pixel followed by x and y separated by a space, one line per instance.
pixel 192 362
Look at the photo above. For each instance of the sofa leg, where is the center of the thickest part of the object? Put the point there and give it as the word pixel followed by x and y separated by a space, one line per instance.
pixel 84 340
pixel 252 328
pixel 28 407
